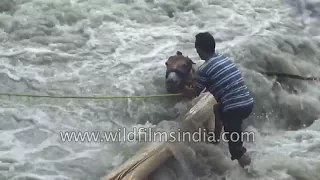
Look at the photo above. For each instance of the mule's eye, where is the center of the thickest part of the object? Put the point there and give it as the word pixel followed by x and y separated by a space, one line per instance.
pixel 166 64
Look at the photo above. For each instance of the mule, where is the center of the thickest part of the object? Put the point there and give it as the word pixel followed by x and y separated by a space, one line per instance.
pixel 181 72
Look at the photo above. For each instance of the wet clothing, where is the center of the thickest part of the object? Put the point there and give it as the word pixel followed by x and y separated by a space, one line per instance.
pixel 224 80
pixel 232 122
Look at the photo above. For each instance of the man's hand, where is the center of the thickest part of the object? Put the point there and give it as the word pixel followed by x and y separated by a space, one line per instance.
pixel 191 92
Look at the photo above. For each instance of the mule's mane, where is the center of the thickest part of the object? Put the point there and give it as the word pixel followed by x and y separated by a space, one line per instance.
pixel 192 72
pixel 179 53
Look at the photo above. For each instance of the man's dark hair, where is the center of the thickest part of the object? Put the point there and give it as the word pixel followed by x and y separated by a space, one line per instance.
pixel 205 41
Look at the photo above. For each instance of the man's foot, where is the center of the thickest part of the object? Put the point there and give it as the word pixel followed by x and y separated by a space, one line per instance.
pixel 244 160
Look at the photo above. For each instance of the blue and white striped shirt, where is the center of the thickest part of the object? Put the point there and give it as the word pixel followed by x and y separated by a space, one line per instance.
pixel 224 81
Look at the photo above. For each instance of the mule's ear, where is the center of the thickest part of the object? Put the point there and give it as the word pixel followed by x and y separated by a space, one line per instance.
pixel 179 53
pixel 190 60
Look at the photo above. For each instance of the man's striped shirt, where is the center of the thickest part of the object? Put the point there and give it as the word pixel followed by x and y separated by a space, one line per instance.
pixel 224 81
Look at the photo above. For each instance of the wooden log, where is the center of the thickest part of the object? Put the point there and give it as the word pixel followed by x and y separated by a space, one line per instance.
pixel 149 159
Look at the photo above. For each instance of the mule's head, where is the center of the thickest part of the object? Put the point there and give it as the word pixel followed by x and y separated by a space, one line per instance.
pixel 178 71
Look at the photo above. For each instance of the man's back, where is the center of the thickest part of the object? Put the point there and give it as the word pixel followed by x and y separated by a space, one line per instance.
pixel 224 80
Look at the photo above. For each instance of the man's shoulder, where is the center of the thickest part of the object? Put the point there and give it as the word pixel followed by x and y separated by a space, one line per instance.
pixel 213 61
pixel 204 67
pixel 221 57
pixel 217 59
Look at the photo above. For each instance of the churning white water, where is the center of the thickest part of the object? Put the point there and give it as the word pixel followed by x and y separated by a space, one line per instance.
pixel 109 47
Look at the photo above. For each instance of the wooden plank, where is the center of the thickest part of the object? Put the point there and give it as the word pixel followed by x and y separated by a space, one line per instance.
pixel 149 159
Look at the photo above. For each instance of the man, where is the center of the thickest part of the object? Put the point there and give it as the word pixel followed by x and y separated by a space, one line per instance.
pixel 224 81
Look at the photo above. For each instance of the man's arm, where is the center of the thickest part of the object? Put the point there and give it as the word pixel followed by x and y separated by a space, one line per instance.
pixel 200 83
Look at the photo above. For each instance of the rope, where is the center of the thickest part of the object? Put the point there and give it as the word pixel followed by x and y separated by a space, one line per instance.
pixel 148 96
pixel 291 76
pixel 90 97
